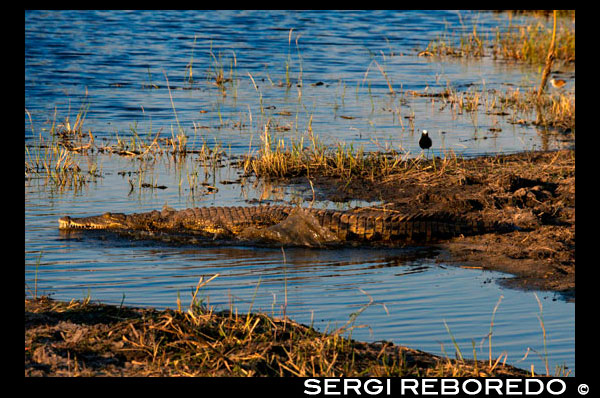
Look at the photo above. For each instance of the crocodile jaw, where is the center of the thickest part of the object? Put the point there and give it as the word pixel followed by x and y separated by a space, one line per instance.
pixel 105 221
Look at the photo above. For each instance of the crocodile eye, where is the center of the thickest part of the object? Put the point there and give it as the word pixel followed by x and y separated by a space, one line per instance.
pixel 107 215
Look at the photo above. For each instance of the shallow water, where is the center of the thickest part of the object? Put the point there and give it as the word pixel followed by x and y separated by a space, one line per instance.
pixel 71 53
pixel 78 57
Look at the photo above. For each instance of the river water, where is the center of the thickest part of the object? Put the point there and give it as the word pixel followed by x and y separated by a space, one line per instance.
pixel 116 64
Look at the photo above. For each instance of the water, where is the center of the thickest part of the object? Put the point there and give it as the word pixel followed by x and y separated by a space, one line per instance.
pixel 108 60
pixel 81 56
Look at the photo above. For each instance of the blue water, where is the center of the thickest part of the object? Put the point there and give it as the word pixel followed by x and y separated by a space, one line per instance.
pixel 109 61
pixel 76 57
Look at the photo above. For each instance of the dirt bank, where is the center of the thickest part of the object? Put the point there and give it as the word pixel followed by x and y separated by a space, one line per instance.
pixel 534 191
pixel 87 339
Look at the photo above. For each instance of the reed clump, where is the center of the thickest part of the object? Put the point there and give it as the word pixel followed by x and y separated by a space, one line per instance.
pixel 54 159
pixel 557 109
pixel 278 158
pixel 527 43
pixel 58 168
pixel 469 45
pixel 530 43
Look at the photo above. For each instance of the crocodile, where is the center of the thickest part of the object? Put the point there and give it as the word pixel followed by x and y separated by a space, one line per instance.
pixel 287 224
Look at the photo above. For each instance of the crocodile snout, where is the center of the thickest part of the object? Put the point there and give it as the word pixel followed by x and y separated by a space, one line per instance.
pixel 64 222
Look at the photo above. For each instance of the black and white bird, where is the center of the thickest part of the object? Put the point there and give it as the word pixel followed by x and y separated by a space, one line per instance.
pixel 425 141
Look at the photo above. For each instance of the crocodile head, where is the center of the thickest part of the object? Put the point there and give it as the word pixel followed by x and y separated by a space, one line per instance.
pixel 104 221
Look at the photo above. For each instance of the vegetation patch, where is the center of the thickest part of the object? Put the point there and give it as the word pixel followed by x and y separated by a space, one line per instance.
pixel 526 43
pixel 80 338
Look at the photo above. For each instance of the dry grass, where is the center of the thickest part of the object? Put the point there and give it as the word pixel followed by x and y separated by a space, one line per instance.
pixel 528 43
pixel 557 109
pixel 54 160
pixel 469 45
pixel 86 339
pixel 277 159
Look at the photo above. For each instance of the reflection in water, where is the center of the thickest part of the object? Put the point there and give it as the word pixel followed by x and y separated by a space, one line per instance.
pixel 412 295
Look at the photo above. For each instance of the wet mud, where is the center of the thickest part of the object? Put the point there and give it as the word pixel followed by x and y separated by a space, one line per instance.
pixel 534 191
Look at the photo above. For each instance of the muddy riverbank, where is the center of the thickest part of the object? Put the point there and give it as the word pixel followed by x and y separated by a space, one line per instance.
pixel 85 339
pixel 534 191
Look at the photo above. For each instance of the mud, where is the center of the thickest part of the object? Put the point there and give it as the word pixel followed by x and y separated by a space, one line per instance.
pixel 87 339
pixel 535 191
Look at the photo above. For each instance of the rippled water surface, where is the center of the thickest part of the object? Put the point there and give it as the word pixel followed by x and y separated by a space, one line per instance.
pixel 116 65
